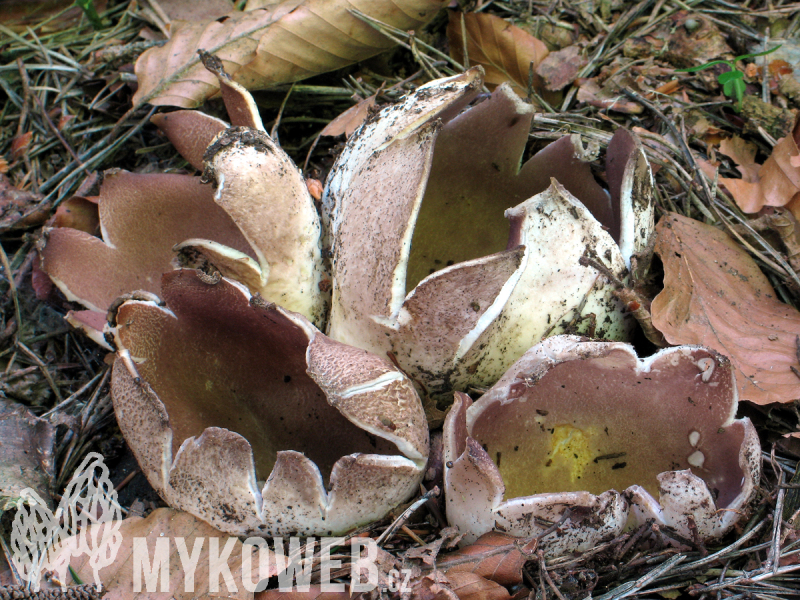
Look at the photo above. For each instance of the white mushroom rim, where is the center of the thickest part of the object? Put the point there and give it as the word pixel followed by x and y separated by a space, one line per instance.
pixel 214 386
pixel 590 427
pixel 458 262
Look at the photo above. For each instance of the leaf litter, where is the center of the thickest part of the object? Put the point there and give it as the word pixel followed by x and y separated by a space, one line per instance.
pixel 715 295
pixel 89 78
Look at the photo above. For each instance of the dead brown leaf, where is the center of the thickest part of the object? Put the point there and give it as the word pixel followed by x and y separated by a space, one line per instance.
pixel 456 585
pixel 561 68
pixel 448 537
pixel 790 442
pixel 433 586
pixel 783 222
pixel 775 183
pixel 18 15
pixel 470 586
pixel 20 209
pixel 166 526
pixel 683 48
pixel 20 144
pixel 715 295
pixel 26 453
pixel 495 556
pixel 277 44
pixel 591 93
pixel 314 593
pixel 347 122
pixel 191 10
pixel 505 51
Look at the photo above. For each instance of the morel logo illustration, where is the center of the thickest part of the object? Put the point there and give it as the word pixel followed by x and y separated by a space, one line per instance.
pixel 86 521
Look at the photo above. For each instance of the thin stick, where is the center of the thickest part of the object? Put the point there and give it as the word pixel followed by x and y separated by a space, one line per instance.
pixel 632 587
pixel 40 363
pixel 60 137
pixel 546 575
pixel 13 288
pixel 26 94
pixel 72 397
pixel 406 515
pixel 274 131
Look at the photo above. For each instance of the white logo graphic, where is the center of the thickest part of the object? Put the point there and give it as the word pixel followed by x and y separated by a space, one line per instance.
pixel 87 521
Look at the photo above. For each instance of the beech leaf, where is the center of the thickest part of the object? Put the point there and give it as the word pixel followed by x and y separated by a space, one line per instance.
pixel 314 592
pixel 503 50
pixel 350 120
pixel 470 586
pixel 20 209
pixel 170 525
pixel 775 183
pixel 268 46
pixel 495 556
pixel 716 296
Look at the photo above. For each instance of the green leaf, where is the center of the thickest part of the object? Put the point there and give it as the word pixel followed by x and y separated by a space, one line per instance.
pixel 705 66
pixel 75 576
pixel 734 89
pixel 744 56
pixel 729 76
pixel 87 6
pixel 727 89
pixel 739 89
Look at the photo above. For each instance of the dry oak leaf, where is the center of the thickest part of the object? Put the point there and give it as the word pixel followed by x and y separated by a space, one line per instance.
pixel 470 586
pixel 20 209
pixel 314 592
pixel 461 585
pixel 775 183
pixel 561 68
pixel 350 120
pixel 716 296
pixel 280 43
pixel 503 50
pixel 166 526
pixel 495 556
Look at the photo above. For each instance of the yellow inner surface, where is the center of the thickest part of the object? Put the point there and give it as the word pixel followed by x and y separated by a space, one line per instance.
pixel 570 459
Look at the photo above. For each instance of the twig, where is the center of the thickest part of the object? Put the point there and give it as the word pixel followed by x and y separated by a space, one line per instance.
pixel 543 572
pixel 725 552
pixel 406 515
pixel 26 94
pixel 775 548
pixel 40 363
pixel 687 154
pixel 626 589
pixel 73 396
pixel 12 288
pixel 60 137
pixel 274 131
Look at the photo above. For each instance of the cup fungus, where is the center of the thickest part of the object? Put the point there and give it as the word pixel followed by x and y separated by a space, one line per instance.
pixel 447 253
pixel 217 389
pixel 257 223
pixel 587 435
pixel 455 307
pixel 463 299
